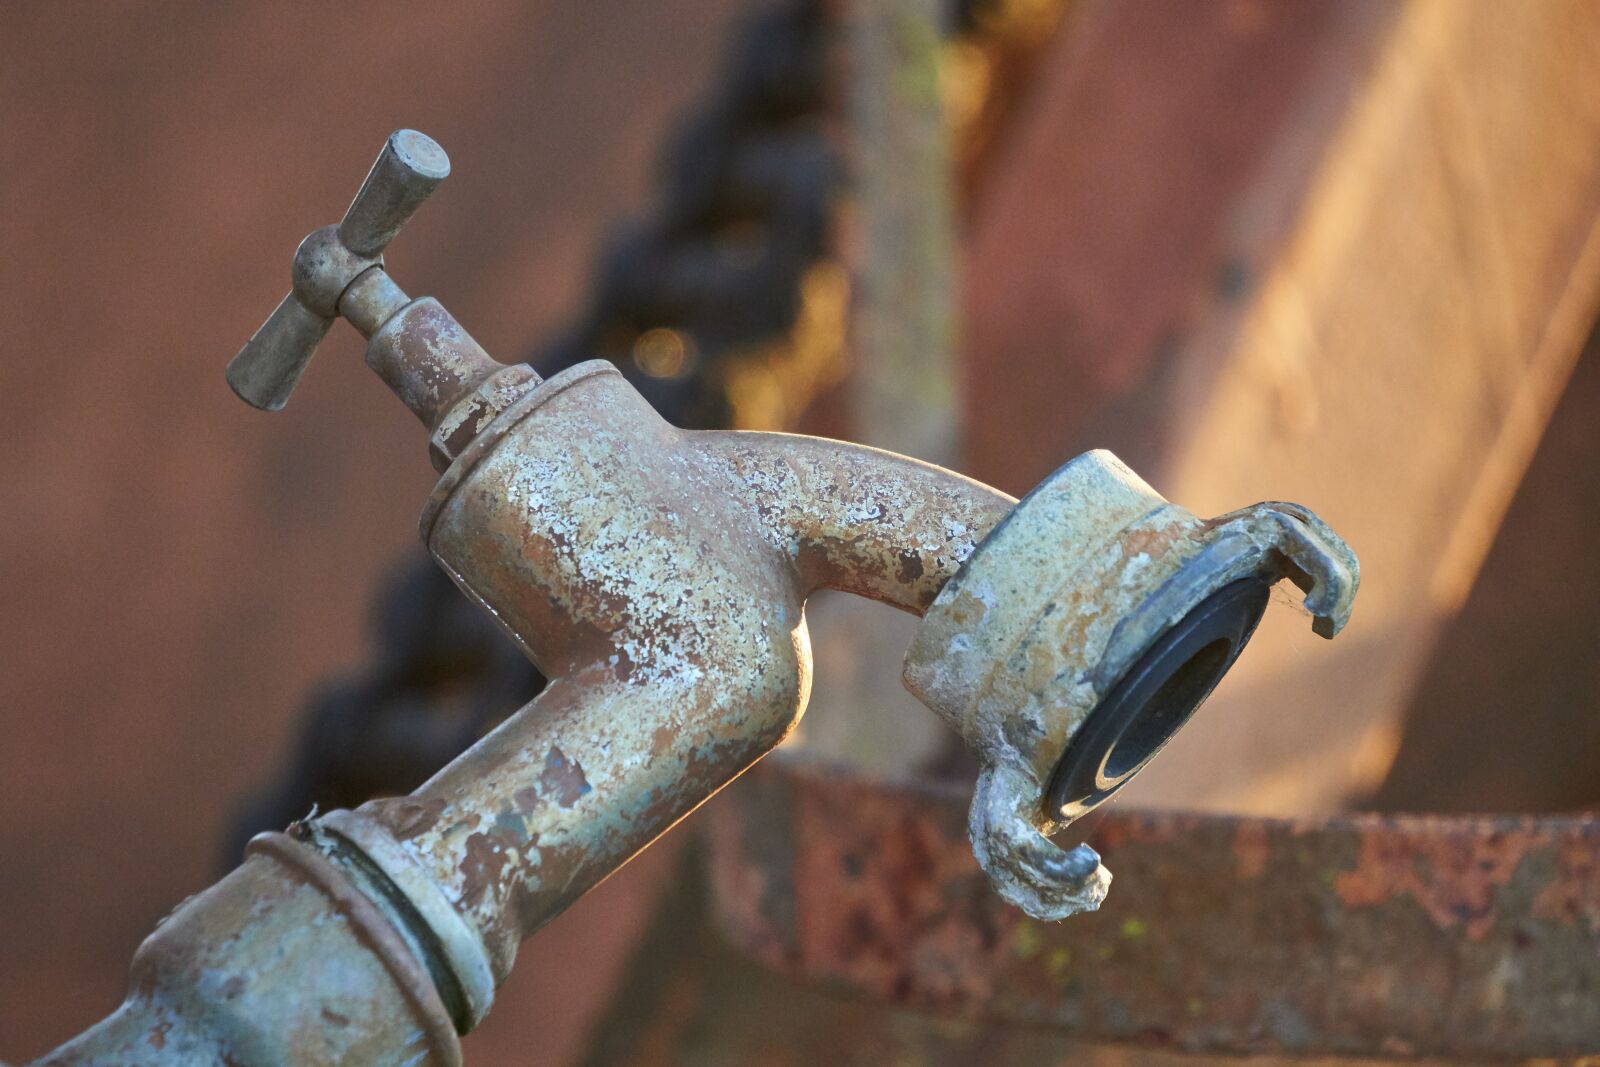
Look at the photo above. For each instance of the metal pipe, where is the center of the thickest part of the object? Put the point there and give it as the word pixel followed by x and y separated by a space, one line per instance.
pixel 662 591
pixel 659 578
pixel 284 961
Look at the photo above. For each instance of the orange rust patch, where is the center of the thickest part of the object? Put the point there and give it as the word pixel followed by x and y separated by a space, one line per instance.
pixel 1153 543
pixel 1454 880
pixel 409 817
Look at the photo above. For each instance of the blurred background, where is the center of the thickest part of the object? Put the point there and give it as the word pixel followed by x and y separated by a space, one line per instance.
pixel 1342 252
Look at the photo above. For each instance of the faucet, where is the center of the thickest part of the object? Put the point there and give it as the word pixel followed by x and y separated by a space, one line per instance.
pixel 659 577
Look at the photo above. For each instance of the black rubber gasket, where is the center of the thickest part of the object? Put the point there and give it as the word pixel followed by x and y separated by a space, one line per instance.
pixel 1158 694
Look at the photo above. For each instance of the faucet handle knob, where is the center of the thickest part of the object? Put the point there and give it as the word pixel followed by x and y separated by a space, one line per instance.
pixel 406 172
pixel 409 168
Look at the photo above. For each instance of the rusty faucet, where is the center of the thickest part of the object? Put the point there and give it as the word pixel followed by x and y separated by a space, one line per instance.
pixel 659 578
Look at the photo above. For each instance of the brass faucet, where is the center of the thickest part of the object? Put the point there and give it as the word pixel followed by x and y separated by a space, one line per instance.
pixel 659 578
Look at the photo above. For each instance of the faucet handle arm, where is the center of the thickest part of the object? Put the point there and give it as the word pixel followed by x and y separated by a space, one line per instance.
pixel 406 173
pixel 269 365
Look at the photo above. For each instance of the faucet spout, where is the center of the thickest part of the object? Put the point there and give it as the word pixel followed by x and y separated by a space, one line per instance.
pixel 857 519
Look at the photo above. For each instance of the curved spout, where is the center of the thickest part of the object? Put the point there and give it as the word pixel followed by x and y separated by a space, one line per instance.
pixel 858 519
pixel 663 715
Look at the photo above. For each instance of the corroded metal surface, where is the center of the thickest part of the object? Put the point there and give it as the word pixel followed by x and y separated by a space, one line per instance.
pixel 1359 935
pixel 657 577
pixel 229 977
pixel 1053 609
pixel 431 363
pixel 689 998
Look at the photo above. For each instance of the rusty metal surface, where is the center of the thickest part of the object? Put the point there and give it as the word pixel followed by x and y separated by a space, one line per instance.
pixel 436 385
pixel 691 999
pixel 1359 935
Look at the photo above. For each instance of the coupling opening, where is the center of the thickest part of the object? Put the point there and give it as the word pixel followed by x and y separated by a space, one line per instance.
pixel 1155 698
pixel 1165 713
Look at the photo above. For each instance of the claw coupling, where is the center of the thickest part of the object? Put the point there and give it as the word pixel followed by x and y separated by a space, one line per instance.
pixel 1080 636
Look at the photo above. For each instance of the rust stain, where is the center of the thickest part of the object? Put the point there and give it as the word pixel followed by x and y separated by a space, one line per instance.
pixel 1454 880
pixel 528 800
pixel 1150 542
pixel 1230 935
pixel 408 817
pixel 911 567
pixel 480 867
pixel 563 778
